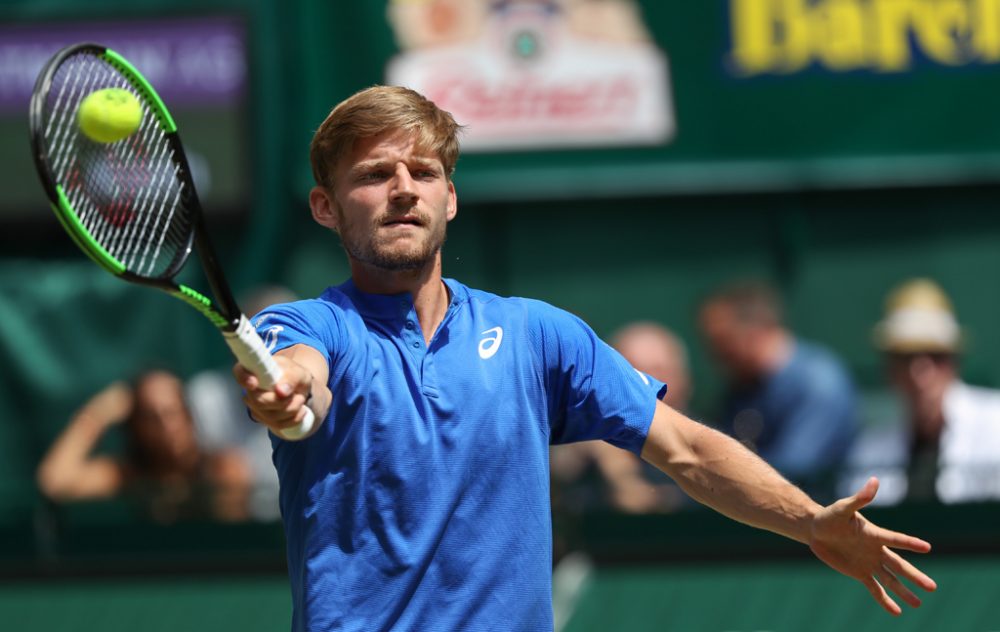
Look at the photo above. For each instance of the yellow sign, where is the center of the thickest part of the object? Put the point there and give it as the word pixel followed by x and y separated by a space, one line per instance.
pixel 786 36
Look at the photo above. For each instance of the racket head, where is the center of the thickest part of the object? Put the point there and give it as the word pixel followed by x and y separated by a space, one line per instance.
pixel 129 204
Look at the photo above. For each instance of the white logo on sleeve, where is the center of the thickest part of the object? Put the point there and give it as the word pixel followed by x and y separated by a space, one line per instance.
pixel 489 346
pixel 271 336
pixel 645 380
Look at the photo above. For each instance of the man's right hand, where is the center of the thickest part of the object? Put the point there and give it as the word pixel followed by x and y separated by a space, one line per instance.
pixel 304 373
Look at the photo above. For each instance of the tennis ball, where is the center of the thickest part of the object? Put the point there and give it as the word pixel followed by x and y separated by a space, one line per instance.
pixel 109 115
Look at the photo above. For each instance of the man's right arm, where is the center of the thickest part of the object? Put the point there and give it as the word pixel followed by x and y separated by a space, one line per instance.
pixel 304 378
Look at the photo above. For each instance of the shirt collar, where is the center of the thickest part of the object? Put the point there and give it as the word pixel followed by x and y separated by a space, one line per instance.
pixel 394 305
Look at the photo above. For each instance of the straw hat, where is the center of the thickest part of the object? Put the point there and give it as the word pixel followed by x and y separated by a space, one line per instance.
pixel 918 318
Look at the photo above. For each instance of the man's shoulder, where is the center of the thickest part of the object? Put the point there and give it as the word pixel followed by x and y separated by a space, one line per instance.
pixel 529 308
pixel 311 316
pixel 819 362
pixel 978 403
pixel 329 301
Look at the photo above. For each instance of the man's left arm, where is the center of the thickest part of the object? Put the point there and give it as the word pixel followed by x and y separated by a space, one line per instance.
pixel 719 472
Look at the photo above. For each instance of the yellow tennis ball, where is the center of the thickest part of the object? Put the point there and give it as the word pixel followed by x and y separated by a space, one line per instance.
pixel 109 115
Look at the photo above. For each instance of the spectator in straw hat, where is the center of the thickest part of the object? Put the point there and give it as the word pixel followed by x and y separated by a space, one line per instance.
pixel 948 448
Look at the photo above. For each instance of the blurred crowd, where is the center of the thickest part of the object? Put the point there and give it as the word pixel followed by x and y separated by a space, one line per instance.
pixel 191 452
pixel 795 403
pixel 188 449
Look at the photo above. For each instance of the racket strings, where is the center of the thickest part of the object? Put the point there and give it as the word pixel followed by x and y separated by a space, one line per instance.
pixel 128 195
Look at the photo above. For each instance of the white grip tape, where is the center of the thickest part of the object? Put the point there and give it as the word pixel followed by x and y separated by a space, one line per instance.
pixel 250 351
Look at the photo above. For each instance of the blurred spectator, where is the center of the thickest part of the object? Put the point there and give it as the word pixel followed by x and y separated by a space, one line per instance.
pixel 221 419
pixel 789 400
pixel 625 482
pixel 947 447
pixel 162 469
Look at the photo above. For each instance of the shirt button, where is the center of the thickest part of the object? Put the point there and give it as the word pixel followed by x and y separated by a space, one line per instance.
pixel 416 345
pixel 409 324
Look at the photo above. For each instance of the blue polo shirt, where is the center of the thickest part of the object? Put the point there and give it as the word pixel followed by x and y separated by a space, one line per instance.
pixel 422 502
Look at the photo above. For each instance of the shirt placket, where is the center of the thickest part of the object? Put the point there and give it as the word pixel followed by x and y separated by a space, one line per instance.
pixel 413 339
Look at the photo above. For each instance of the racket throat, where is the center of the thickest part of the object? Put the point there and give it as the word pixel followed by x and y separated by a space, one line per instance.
pixel 204 306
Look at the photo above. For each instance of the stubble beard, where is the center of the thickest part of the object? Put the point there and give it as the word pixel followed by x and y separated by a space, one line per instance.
pixel 375 251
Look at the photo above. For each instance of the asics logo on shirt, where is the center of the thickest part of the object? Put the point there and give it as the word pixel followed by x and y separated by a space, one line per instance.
pixel 489 346
pixel 271 336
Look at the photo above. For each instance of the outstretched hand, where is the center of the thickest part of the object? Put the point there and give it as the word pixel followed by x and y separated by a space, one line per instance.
pixel 852 545
pixel 282 406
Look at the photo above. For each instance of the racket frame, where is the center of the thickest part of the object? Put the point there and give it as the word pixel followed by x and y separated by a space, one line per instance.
pixel 224 313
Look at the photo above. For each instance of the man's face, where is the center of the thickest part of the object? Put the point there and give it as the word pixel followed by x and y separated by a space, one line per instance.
pixel 922 380
pixel 390 203
pixel 730 342
pixel 919 375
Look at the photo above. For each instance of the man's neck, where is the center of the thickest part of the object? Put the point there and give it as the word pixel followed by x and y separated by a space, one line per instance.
pixel 430 295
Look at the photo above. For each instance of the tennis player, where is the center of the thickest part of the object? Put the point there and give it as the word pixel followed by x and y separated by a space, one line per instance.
pixel 422 500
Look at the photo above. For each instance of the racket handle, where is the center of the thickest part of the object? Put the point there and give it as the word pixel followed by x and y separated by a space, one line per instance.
pixel 250 351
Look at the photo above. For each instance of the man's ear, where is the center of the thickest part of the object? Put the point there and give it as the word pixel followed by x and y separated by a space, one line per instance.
pixel 324 208
pixel 452 209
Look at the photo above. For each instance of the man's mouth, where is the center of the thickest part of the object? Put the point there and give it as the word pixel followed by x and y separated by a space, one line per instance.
pixel 404 220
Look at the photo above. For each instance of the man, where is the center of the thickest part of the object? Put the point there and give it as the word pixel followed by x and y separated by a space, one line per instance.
pixel 790 401
pixel 421 501
pixel 948 447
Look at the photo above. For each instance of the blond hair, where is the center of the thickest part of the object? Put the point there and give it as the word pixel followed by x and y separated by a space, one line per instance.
pixel 377 110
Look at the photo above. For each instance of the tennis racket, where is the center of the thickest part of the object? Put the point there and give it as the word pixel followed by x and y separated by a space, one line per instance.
pixel 131 204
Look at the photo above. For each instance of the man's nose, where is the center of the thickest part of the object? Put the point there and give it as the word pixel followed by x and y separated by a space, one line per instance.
pixel 402 184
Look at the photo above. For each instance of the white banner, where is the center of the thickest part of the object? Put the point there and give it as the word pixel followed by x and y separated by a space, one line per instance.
pixel 534 75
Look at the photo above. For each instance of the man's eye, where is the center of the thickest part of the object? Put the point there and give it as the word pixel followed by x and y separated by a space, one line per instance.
pixel 374 176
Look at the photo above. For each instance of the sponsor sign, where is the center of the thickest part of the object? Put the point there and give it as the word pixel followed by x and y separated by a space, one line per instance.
pixel 882 36
pixel 546 74
pixel 195 61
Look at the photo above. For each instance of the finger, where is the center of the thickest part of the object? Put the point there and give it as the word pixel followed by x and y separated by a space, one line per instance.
pixel 290 420
pixel 853 503
pixel 245 378
pixel 908 571
pixel 267 401
pixel 276 419
pixel 301 415
pixel 897 540
pixel 882 597
pixel 890 581
pixel 295 404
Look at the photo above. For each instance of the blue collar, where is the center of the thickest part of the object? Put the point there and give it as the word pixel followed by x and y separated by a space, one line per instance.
pixel 394 305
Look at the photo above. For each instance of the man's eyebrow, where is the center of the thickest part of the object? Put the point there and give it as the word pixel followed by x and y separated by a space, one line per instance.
pixel 368 164
pixel 379 163
pixel 426 162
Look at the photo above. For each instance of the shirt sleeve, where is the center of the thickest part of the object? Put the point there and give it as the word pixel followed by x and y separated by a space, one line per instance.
pixel 289 324
pixel 594 393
